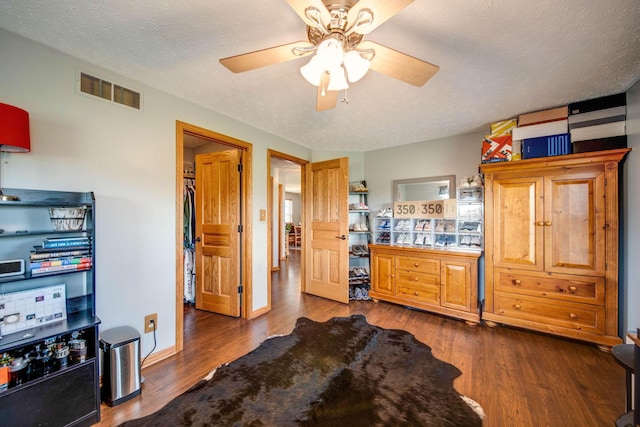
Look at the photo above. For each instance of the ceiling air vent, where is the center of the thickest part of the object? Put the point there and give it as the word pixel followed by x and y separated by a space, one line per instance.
pixel 108 91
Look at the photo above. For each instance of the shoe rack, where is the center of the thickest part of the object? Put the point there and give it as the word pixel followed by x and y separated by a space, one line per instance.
pixel 465 230
pixel 359 239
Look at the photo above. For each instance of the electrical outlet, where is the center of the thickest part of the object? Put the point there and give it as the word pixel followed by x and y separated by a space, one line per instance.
pixel 150 323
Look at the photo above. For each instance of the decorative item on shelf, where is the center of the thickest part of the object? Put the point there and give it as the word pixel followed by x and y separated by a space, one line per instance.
pixel 14 137
pixel 67 219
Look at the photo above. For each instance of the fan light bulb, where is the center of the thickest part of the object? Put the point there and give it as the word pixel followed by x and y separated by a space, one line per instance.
pixel 312 71
pixel 356 65
pixel 337 79
pixel 329 57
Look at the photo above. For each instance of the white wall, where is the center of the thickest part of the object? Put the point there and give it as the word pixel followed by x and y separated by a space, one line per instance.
pixel 127 158
pixel 458 155
pixel 629 261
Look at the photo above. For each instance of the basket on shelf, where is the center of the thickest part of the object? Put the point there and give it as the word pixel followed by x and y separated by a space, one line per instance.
pixel 67 219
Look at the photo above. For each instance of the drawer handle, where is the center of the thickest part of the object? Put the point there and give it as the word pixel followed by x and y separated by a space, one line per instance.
pixel 573 316
pixel 540 223
pixel 517 282
pixel 573 289
pixel 415 279
pixel 415 264
pixel 547 223
pixel 416 294
pixel 517 306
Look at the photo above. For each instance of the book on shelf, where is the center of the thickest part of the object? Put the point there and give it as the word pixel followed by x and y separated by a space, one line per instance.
pixel 39 253
pixel 58 262
pixel 58 268
pixel 64 242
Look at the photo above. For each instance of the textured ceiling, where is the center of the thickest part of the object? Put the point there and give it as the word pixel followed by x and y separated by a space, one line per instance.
pixel 497 58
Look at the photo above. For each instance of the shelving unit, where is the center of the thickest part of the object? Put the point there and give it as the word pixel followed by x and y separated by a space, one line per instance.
pixel 54 364
pixel 463 229
pixel 359 239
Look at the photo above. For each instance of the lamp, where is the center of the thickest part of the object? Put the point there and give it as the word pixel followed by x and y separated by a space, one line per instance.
pixel 14 137
pixel 331 58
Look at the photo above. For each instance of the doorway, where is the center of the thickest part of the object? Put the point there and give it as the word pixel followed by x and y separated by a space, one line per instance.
pixel 286 182
pixel 190 136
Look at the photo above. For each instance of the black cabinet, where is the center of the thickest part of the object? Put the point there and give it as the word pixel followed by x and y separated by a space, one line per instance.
pixel 49 328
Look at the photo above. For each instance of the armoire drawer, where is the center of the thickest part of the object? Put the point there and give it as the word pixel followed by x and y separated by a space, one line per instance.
pixel 581 289
pixel 585 317
pixel 423 265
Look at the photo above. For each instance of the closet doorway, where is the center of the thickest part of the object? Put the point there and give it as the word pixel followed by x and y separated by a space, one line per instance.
pixel 285 212
pixel 214 212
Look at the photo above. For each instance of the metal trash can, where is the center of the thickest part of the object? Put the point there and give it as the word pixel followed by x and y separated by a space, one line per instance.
pixel 120 364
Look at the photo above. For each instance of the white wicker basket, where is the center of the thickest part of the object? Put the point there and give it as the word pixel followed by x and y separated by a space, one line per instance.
pixel 67 219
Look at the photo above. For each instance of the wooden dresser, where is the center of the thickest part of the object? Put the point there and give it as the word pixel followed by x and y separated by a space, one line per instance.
pixel 440 281
pixel 551 245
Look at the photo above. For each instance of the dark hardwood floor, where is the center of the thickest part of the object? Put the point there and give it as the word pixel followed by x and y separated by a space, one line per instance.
pixel 519 378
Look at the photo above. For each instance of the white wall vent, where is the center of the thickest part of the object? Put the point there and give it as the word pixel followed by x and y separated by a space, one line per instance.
pixel 108 91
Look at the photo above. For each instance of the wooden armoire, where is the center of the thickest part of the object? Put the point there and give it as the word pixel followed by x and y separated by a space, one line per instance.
pixel 551 245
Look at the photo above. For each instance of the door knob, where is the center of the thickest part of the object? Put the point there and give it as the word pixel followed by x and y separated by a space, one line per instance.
pixel 343 237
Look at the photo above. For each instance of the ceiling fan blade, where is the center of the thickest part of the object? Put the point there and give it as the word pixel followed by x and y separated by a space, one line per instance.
pixel 322 14
pixel 382 11
pixel 399 65
pixel 270 56
pixel 326 99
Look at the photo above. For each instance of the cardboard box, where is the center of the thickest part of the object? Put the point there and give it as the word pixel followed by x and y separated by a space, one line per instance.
pixel 555 127
pixel 598 103
pixel 600 144
pixel 544 116
pixel 503 128
pixel 553 145
pixel 496 149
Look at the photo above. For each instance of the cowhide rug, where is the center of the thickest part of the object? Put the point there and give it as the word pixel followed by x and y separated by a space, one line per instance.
pixel 343 372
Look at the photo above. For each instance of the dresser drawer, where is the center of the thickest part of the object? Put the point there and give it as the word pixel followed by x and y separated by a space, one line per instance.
pixel 584 317
pixel 582 289
pixel 429 266
pixel 424 289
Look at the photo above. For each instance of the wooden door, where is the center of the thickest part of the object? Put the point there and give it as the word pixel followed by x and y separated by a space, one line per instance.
pixel 517 211
pixel 326 227
pixel 217 206
pixel 574 222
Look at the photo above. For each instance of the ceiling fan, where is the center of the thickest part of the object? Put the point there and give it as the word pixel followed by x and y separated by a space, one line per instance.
pixel 335 29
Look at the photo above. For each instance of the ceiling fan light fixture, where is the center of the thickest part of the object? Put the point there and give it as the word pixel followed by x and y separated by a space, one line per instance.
pixel 356 65
pixel 337 79
pixel 312 71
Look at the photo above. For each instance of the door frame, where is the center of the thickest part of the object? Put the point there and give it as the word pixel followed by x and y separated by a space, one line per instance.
pixel 270 216
pixel 245 219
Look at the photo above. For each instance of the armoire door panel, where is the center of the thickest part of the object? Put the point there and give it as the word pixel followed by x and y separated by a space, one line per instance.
pixel 575 223
pixel 517 215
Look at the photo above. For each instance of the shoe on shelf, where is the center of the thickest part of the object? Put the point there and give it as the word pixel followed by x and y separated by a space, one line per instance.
pixel 464 181
pixel 428 239
pixel 419 239
pixel 476 181
pixel 439 225
pixel 363 227
pixel 356 227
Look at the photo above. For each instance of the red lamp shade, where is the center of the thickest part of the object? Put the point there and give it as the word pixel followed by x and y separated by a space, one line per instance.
pixel 14 129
